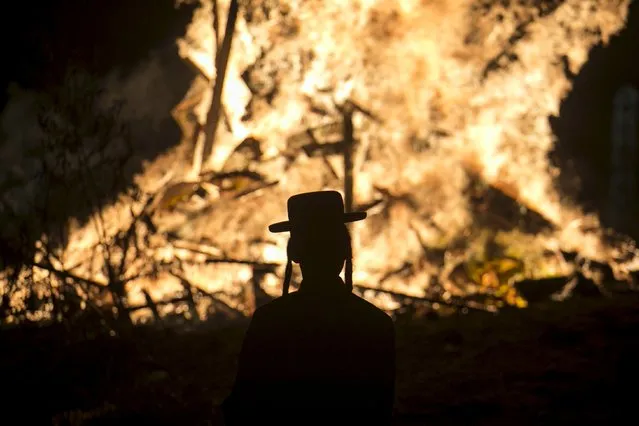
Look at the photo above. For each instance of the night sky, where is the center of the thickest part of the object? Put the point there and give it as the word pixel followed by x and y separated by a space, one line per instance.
pixel 42 39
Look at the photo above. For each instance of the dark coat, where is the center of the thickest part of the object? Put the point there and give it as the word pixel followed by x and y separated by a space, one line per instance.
pixel 315 357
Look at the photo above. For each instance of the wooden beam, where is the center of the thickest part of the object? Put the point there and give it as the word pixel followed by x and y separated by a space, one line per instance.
pixel 349 146
pixel 221 62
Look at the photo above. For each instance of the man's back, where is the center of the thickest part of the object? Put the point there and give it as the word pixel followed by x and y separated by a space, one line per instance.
pixel 316 356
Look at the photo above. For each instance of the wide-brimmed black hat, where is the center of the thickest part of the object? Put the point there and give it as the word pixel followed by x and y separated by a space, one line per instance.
pixel 319 208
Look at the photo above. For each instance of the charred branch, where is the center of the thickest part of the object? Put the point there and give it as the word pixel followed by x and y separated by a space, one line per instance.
pixel 406 269
pixel 254 189
pixel 349 147
pixel 153 307
pixel 323 134
pixel 405 298
pixel 324 149
pixel 370 206
pixel 216 177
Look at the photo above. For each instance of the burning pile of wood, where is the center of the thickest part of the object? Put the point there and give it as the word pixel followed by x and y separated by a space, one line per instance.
pixel 432 117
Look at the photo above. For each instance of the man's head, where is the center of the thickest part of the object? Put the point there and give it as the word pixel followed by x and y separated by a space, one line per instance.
pixel 310 210
pixel 320 251
pixel 320 241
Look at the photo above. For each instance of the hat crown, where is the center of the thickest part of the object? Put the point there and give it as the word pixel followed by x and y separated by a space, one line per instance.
pixel 320 207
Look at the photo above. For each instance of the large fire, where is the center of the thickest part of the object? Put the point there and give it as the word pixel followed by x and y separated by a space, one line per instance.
pixel 449 101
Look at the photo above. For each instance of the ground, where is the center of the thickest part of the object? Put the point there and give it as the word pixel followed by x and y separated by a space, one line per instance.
pixel 572 362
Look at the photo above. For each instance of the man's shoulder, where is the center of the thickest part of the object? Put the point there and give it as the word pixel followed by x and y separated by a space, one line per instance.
pixel 372 311
pixel 276 306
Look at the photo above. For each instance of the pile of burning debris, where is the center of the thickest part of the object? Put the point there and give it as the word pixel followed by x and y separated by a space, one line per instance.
pixel 443 144
pixel 459 203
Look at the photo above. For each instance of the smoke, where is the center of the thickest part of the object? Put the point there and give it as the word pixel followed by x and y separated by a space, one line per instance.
pixel 147 94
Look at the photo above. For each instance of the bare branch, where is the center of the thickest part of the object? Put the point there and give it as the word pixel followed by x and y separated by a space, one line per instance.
pixel 453 302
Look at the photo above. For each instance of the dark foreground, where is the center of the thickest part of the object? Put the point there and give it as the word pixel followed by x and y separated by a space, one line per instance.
pixel 561 363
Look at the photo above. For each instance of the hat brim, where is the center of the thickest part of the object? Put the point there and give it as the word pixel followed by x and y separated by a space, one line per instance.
pixel 286 225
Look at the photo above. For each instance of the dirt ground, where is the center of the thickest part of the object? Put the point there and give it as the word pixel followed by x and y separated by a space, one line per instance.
pixel 572 362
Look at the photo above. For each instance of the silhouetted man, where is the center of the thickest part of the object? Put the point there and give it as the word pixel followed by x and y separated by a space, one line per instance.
pixel 320 355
